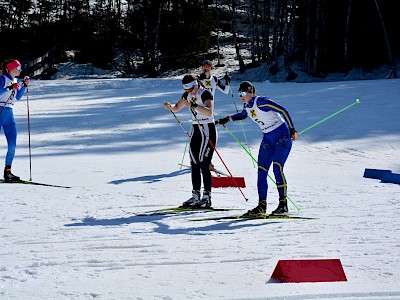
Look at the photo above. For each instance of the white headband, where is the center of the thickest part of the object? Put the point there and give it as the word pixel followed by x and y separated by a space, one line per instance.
pixel 190 85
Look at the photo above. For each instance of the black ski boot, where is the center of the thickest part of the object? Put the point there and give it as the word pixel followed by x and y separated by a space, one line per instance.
pixel 205 201
pixel 193 201
pixel 257 211
pixel 282 208
pixel 8 176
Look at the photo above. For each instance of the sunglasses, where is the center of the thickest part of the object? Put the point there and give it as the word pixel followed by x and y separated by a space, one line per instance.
pixel 189 90
pixel 208 68
pixel 242 94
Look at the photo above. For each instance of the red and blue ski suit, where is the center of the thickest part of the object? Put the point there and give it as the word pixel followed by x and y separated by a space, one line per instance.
pixel 7 122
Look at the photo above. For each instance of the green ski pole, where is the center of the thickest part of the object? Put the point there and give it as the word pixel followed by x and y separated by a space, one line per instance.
pixel 184 152
pixel 330 116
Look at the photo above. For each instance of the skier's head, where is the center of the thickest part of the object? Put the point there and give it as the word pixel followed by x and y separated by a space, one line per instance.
pixel 189 82
pixel 247 86
pixel 246 91
pixel 9 65
pixel 206 65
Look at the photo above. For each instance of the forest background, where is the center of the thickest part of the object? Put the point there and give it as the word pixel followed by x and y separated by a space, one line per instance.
pixel 150 38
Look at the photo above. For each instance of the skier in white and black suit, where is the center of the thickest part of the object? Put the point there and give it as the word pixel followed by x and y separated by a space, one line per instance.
pixel 203 138
pixel 212 82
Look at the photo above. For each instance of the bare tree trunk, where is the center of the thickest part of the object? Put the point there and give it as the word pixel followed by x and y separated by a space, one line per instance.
pixel 275 34
pixel 265 52
pixel 258 46
pixel 253 18
pixel 145 34
pixel 317 40
pixel 307 59
pixel 346 36
pixel 289 40
pixel 391 61
pixel 234 32
pixel 274 69
pixel 218 55
pixel 157 30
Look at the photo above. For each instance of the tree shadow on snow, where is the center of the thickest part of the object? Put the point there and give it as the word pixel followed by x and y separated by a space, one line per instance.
pixel 151 178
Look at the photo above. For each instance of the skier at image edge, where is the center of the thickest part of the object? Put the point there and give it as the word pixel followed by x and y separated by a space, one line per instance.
pixel 201 102
pixel 278 133
pixel 10 90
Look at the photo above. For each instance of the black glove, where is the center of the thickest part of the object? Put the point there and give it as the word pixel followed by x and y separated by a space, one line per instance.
pixel 227 79
pixel 222 121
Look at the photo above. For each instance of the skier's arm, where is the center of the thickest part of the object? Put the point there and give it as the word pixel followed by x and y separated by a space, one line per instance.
pixel 222 87
pixel 208 108
pixel 3 89
pixel 239 116
pixel 266 104
pixel 20 92
pixel 178 105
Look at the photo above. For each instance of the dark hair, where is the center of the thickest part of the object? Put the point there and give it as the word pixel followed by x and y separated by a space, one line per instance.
pixel 207 63
pixel 188 78
pixel 247 86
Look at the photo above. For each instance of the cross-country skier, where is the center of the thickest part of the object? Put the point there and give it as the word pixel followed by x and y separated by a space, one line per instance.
pixel 212 82
pixel 10 90
pixel 278 133
pixel 201 102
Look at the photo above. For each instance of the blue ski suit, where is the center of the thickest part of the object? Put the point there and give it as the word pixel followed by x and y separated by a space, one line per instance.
pixel 275 123
pixel 7 122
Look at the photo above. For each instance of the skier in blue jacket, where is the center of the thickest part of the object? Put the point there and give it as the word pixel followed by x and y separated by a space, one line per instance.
pixel 10 90
pixel 278 133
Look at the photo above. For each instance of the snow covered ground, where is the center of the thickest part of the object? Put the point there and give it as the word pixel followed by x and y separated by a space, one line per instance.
pixel 115 145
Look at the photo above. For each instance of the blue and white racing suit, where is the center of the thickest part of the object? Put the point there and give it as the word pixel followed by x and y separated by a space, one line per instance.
pixel 275 122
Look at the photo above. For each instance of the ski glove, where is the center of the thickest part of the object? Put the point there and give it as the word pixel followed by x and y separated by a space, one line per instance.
pixel 222 121
pixel 293 134
pixel 13 86
pixel 227 79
